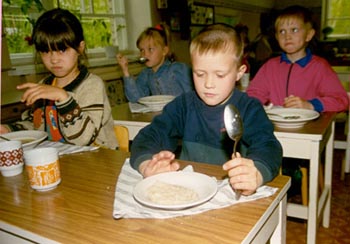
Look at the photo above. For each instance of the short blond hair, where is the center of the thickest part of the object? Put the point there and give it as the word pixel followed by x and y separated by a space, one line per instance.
pixel 298 12
pixel 218 38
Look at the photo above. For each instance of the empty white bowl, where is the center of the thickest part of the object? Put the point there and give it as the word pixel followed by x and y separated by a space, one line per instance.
pixel 29 138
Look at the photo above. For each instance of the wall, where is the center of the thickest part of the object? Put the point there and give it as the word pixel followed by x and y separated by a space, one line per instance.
pixel 246 12
pixel 223 9
pixel 138 18
pixel 306 3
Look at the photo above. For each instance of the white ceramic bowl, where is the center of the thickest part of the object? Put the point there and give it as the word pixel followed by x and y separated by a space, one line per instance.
pixel 302 117
pixel 29 138
pixel 156 102
pixel 204 185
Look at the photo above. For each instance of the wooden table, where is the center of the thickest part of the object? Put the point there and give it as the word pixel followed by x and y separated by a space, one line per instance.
pixel 133 121
pixel 80 210
pixel 307 142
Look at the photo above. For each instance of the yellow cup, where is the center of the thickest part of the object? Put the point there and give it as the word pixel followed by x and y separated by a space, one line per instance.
pixel 42 166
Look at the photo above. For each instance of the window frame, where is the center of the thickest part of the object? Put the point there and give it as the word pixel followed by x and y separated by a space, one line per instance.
pixel 120 38
pixel 326 18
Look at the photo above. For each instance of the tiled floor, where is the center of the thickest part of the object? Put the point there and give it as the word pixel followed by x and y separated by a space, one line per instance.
pixel 339 230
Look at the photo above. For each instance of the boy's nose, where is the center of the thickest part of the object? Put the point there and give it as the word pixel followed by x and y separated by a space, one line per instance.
pixel 289 34
pixel 209 83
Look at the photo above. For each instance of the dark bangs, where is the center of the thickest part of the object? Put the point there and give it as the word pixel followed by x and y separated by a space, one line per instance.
pixel 53 42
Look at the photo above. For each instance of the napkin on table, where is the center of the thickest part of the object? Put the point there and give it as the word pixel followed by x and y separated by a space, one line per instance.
pixel 64 148
pixel 125 206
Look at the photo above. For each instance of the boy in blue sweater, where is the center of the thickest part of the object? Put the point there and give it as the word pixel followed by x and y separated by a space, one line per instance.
pixel 197 119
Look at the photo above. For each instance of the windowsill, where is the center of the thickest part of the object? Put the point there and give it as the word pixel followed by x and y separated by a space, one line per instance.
pixel 31 69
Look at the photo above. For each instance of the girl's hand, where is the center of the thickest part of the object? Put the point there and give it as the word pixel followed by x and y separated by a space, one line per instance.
pixel 40 91
pixel 297 102
pixel 160 162
pixel 123 62
pixel 4 129
pixel 243 174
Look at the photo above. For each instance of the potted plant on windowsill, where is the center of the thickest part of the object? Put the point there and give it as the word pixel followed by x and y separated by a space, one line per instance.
pixel 111 47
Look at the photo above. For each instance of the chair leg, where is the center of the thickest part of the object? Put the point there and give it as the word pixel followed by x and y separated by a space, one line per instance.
pixel 321 177
pixel 305 180
pixel 346 160
pixel 304 186
pixel 342 174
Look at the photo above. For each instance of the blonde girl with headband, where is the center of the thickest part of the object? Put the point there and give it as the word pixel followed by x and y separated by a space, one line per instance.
pixel 71 104
pixel 161 76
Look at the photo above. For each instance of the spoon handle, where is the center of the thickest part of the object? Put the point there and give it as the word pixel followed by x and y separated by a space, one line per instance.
pixel 284 116
pixel 238 192
pixel 4 138
pixel 234 147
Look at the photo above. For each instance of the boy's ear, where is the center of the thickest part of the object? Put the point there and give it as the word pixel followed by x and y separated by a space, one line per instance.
pixel 310 34
pixel 241 71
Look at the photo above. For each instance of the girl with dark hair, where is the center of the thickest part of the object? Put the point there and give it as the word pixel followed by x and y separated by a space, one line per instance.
pixel 71 104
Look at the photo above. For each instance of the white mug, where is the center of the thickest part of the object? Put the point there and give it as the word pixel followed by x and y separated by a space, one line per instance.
pixel 11 158
pixel 42 166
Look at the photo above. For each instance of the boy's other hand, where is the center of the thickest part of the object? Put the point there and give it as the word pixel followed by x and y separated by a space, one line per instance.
pixel 160 163
pixel 297 102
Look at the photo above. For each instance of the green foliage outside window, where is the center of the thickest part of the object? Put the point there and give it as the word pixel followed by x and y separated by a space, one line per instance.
pixel 338 17
pixel 18 22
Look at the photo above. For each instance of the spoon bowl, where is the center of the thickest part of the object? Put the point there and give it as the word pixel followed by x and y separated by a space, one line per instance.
pixel 233 124
pixel 143 60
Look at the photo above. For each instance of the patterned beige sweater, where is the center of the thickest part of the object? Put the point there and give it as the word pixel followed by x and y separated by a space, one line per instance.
pixel 84 118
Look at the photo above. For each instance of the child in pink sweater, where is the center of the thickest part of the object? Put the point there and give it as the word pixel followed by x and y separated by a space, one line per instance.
pixel 298 79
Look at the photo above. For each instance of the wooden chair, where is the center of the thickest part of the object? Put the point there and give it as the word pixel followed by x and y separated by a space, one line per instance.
pixel 122 134
pixel 345 145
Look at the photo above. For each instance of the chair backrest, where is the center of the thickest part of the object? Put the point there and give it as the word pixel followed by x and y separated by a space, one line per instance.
pixel 122 134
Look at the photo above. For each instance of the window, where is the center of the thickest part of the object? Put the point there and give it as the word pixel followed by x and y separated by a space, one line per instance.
pixel 336 14
pixel 105 17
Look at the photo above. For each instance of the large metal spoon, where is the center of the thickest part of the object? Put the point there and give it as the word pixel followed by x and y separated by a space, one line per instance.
pixel 233 124
pixel 234 129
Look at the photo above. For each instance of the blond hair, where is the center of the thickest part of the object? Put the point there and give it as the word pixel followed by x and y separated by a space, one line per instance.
pixel 298 12
pixel 160 34
pixel 218 38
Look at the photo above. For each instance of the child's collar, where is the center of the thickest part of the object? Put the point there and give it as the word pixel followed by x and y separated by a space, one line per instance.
pixel 82 75
pixel 302 62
